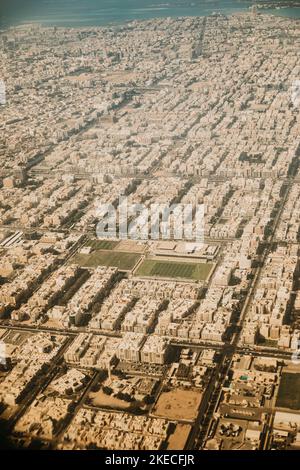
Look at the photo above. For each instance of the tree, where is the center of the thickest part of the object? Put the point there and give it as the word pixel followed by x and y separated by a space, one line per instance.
pixel 149 399
pixel 95 388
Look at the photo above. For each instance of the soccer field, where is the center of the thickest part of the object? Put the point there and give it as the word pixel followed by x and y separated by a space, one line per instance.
pixel 123 261
pixel 175 269
pixel 102 244
pixel 288 393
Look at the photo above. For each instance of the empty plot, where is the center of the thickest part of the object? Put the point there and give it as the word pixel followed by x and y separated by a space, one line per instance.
pixel 178 439
pixel 178 404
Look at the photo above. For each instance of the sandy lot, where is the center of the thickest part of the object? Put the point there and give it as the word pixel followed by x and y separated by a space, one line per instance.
pixel 178 440
pixel 178 404
pixel 130 246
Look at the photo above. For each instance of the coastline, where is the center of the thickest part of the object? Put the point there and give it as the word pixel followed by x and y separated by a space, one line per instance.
pixel 121 24
pixel 109 17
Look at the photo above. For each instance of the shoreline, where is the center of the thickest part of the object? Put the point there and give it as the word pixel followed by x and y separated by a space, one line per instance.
pixel 83 23
pixel 140 21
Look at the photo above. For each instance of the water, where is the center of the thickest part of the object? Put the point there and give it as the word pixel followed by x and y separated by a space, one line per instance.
pixel 76 13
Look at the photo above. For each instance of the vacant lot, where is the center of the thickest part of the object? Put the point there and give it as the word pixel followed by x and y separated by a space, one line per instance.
pixel 175 269
pixel 121 260
pixel 178 404
pixel 288 394
pixel 178 440
pixel 130 246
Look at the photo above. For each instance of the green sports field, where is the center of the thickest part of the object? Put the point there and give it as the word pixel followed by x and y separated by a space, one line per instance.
pixel 288 393
pixel 175 269
pixel 102 244
pixel 123 261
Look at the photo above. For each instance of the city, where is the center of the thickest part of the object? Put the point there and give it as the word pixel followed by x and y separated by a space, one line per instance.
pixel 128 344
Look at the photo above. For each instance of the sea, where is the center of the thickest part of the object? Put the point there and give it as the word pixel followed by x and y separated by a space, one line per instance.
pixel 76 13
